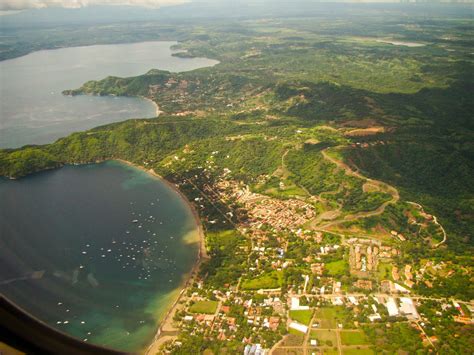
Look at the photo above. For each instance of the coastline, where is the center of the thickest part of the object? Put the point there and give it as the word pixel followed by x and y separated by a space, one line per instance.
pixel 166 331
pixel 158 112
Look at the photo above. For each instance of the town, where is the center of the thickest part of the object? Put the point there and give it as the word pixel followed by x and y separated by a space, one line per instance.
pixel 297 289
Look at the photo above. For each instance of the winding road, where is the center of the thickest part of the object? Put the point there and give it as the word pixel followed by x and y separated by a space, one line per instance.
pixel 381 185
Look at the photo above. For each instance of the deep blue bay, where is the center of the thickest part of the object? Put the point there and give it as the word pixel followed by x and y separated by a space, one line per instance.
pixel 97 251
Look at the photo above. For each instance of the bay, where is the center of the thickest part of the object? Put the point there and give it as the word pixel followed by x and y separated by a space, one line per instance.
pixel 33 109
pixel 104 249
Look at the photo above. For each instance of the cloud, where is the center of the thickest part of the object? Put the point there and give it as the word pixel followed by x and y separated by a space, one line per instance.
pixel 7 5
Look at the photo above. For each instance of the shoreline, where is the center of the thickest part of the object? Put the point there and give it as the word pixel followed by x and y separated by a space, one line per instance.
pixel 158 112
pixel 166 331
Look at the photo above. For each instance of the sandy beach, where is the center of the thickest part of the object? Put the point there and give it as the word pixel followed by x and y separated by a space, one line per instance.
pixel 157 111
pixel 166 331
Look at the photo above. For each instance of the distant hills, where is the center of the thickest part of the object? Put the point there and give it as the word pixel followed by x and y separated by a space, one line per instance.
pixel 205 9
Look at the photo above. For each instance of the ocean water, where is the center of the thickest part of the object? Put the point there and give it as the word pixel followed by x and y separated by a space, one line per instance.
pixel 33 110
pixel 96 251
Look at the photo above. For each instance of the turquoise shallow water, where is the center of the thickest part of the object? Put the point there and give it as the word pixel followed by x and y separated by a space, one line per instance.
pixel 107 243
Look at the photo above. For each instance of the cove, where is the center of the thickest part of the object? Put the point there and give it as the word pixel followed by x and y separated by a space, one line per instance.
pixel 33 109
pixel 97 251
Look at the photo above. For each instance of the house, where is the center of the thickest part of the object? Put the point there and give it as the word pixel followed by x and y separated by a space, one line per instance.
pixel 317 268
pixel 273 323
pixel 364 284
pixel 209 318
pixel 231 322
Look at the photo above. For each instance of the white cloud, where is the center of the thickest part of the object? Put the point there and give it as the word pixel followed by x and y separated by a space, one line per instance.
pixel 38 4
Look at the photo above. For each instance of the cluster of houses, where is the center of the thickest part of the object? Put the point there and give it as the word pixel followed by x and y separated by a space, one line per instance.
pixel 265 315
pixel 281 215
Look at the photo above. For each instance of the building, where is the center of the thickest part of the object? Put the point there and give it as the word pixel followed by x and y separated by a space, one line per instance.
pixel 299 327
pixel 392 307
pixel 363 284
pixel 407 308
pixel 295 305
pixel 317 268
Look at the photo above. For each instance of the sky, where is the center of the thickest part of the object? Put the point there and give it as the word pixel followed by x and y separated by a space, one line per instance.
pixel 6 5
pixel 9 6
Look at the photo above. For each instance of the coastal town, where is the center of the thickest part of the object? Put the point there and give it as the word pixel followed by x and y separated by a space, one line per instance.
pixel 237 177
pixel 298 289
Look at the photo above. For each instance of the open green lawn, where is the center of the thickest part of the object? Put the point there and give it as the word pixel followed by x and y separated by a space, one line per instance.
pixel 353 338
pixel 384 271
pixel 336 267
pixel 324 337
pixel 303 317
pixel 269 280
pixel 207 307
pixel 329 317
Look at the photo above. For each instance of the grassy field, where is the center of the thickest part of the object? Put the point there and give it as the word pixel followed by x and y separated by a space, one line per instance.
pixel 384 271
pixel 353 338
pixel 303 316
pixel 329 317
pixel 207 307
pixel 293 340
pixel 324 336
pixel 269 280
pixel 336 267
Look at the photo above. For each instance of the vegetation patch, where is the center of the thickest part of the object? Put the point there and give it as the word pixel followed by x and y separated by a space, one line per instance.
pixel 337 268
pixel 206 307
pixel 302 316
pixel 324 337
pixel 353 338
pixel 291 339
pixel 355 351
pixel 330 317
pixel 268 280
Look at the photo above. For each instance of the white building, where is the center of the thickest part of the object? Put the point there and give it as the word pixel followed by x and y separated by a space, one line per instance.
pixel 407 308
pixel 353 300
pixel 295 305
pixel 299 327
pixel 392 307
pixel 400 288
pixel 374 317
